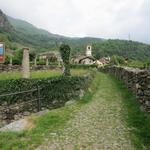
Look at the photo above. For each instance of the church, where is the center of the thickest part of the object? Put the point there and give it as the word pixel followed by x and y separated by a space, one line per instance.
pixel 86 59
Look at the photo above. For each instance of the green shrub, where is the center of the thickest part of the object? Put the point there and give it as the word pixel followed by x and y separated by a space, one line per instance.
pixel 65 55
pixel 147 64
pixel 54 91
pixel 136 64
pixel 117 60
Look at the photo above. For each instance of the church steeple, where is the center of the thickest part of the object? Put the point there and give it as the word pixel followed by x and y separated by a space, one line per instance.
pixel 89 50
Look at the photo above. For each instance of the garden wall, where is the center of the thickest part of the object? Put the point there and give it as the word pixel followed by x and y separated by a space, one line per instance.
pixel 7 68
pixel 54 92
pixel 138 81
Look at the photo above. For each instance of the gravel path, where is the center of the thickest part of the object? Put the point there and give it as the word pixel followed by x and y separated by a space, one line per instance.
pixel 98 126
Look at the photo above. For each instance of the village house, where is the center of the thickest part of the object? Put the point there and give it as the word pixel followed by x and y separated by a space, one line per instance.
pixel 104 60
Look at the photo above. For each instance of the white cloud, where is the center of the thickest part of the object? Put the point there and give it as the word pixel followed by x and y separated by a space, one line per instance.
pixel 98 18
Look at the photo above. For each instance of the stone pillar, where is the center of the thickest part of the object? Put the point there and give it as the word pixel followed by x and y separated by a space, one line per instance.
pixel 25 64
pixel 35 61
pixel 47 63
pixel 10 61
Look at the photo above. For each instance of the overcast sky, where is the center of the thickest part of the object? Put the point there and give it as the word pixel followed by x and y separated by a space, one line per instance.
pixel 95 18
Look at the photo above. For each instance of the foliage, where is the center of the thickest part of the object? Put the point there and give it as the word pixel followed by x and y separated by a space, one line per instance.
pixel 147 64
pixel 117 60
pixel 32 55
pixel 65 55
pixel 130 49
pixel 41 62
pixel 17 59
pixel 136 64
pixel 59 89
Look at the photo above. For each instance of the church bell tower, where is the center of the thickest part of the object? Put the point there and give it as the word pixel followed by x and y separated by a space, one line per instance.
pixel 89 50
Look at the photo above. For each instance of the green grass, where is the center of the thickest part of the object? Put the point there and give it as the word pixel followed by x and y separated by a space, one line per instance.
pixel 40 74
pixel 138 121
pixel 51 122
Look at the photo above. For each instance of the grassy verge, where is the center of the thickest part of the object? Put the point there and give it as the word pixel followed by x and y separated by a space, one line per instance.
pixel 137 121
pixel 40 74
pixel 46 124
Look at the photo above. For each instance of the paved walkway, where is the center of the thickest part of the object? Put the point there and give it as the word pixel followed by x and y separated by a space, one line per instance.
pixel 98 126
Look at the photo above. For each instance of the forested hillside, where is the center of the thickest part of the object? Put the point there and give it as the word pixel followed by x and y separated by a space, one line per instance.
pixel 130 49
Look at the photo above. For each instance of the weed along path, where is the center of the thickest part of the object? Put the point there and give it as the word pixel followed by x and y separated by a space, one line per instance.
pixel 98 125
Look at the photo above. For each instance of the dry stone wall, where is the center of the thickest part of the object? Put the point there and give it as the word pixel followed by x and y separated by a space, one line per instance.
pixel 7 68
pixel 138 81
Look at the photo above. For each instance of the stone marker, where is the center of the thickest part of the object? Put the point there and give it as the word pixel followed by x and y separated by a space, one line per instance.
pixel 25 64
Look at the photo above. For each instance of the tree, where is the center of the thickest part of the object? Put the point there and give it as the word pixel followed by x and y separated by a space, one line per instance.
pixel 17 59
pixel 65 55
pixel 117 60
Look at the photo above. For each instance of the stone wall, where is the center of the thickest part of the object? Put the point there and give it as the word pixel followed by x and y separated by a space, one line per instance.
pixel 138 81
pixel 7 68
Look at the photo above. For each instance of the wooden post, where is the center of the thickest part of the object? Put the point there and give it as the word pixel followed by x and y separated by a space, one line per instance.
pixel 25 64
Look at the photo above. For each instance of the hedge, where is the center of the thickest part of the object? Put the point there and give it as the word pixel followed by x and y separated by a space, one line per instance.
pixel 54 91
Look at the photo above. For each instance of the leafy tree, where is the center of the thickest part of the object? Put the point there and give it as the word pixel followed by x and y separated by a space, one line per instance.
pixel 32 55
pixel 117 60
pixel 65 54
pixel 17 59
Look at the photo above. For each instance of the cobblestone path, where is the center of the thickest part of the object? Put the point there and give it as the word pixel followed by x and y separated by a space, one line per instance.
pixel 99 125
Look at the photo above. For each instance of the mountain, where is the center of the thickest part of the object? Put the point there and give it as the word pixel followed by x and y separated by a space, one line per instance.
pixel 17 33
pixel 4 23
pixel 42 40
pixel 25 27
